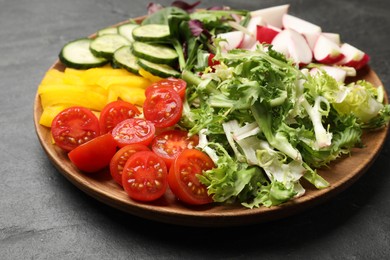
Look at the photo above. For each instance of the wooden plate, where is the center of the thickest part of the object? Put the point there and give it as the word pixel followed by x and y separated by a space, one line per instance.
pixel 100 186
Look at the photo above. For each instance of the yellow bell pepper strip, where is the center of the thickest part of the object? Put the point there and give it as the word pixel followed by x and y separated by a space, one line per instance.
pixel 128 80
pixel 49 113
pixel 70 87
pixel 134 95
pixel 75 97
pixel 91 88
pixel 53 76
pixel 91 76
pixel 149 76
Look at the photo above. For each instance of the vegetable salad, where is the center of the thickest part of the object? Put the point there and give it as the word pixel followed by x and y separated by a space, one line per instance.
pixel 264 118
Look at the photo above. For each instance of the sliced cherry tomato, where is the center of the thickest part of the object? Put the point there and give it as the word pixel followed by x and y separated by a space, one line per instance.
pixel 134 131
pixel 183 180
pixel 163 107
pixel 144 176
pixel 74 126
pixel 170 143
pixel 114 113
pixel 177 85
pixel 95 154
pixel 120 158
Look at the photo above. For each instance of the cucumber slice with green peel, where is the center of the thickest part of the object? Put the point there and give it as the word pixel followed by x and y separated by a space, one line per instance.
pixel 105 45
pixel 109 30
pixel 124 58
pixel 155 53
pixel 77 54
pixel 161 70
pixel 152 33
pixel 127 30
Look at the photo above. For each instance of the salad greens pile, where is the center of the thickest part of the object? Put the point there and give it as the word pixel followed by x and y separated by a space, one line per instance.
pixel 266 123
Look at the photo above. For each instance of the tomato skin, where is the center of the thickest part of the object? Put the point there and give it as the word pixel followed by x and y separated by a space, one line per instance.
pixel 95 154
pixel 114 113
pixel 182 178
pixel 177 85
pixel 170 143
pixel 74 126
pixel 144 176
pixel 134 131
pixel 163 107
pixel 120 158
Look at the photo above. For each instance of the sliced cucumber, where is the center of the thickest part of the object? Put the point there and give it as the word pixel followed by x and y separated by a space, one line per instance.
pixel 105 45
pixel 127 30
pixel 151 33
pixel 161 70
pixel 77 54
pixel 109 30
pixel 124 58
pixel 155 53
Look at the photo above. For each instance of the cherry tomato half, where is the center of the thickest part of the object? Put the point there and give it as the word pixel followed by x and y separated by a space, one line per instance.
pixel 183 180
pixel 144 176
pixel 133 131
pixel 114 113
pixel 177 85
pixel 163 107
pixel 120 158
pixel 95 154
pixel 74 126
pixel 170 143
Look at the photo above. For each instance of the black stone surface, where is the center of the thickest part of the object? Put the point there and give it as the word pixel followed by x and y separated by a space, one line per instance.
pixel 43 216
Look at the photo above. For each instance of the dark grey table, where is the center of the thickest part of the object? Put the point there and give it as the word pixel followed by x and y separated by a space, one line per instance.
pixel 44 216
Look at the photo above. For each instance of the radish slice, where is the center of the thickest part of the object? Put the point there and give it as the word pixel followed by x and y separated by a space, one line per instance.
pixel 312 38
pixel 310 31
pixel 232 40
pixel 334 37
pixel 272 15
pixel 300 25
pixel 299 50
pixel 293 45
pixel 280 42
pixel 326 51
pixel 250 39
pixel 353 57
pixel 265 34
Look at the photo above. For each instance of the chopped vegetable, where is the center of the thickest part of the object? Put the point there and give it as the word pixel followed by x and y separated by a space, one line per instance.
pixel 74 126
pixel 120 158
pixel 144 176
pixel 95 154
pixel 91 88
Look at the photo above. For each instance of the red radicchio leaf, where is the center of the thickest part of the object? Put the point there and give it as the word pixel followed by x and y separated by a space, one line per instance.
pixel 197 29
pixel 185 6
